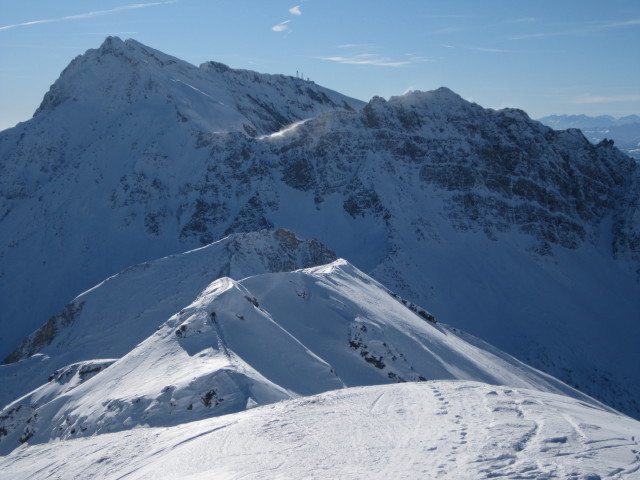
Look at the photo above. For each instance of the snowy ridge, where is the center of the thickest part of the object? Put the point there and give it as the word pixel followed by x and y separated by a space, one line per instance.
pixel 519 234
pixel 625 131
pixel 439 430
pixel 256 341
pixel 211 98
pixel 106 122
pixel 110 319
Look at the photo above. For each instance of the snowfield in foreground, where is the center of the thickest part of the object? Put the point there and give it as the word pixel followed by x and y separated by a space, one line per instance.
pixel 441 429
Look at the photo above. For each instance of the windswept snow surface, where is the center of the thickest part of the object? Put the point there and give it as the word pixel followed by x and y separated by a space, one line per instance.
pixel 437 430
pixel 273 336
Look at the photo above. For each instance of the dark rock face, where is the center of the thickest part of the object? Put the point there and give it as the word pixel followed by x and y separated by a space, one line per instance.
pixel 500 170
pixel 46 334
pixel 20 419
pixel 626 227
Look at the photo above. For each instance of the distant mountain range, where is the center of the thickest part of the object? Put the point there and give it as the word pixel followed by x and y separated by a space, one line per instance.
pixel 562 122
pixel 624 131
pixel 182 242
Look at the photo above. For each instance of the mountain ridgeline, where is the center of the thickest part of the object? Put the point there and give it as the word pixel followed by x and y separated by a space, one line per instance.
pixel 237 345
pixel 522 235
pixel 624 131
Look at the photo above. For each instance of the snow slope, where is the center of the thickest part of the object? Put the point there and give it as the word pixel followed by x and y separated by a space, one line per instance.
pixel 273 336
pixel 110 319
pixel 116 116
pixel 436 429
pixel 124 79
pixel 526 237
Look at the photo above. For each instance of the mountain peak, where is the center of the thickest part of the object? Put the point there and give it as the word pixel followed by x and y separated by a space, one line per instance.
pixel 132 49
pixel 111 43
pixel 440 95
pixel 444 93
pixel 215 66
pixel 108 77
pixel 417 97
pixel 126 78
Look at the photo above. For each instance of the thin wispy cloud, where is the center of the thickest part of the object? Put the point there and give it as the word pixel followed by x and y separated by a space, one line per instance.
pixel 416 58
pixel 489 50
pixel 580 31
pixel 282 26
pixel 606 99
pixel 83 16
pixel 368 59
pixel 362 55
pixel 102 34
pixel 454 17
pixel 477 49
pixel 357 45
pixel 448 30
pixel 546 34
pixel 628 23
pixel 522 20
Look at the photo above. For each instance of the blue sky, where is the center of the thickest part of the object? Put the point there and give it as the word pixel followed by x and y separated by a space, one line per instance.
pixel 546 57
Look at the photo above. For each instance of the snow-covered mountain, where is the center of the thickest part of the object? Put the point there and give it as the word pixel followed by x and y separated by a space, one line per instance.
pixel 624 131
pixel 563 122
pixel 438 430
pixel 240 344
pixel 127 81
pixel 524 236
pixel 110 319
pixel 115 117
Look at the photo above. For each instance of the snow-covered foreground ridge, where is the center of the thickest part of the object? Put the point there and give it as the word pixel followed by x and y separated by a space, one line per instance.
pixel 256 341
pixel 437 429
pixel 110 319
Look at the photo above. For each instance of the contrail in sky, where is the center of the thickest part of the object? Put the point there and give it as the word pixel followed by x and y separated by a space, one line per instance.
pixel 81 16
